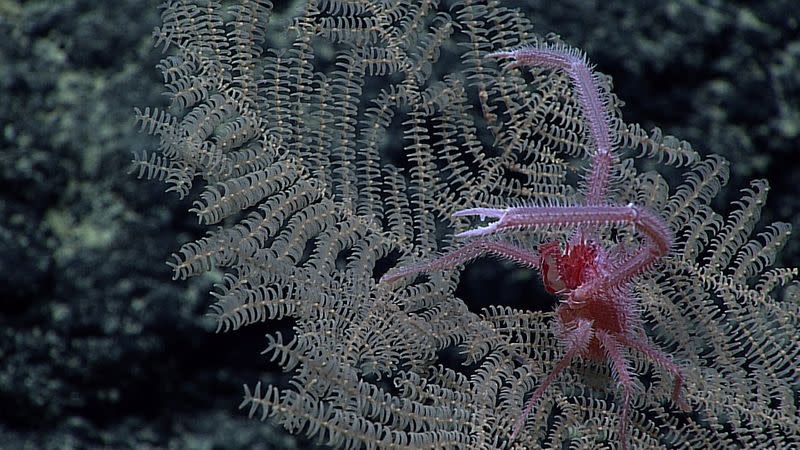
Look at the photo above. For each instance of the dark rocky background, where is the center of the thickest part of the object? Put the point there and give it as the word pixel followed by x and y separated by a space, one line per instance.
pixel 100 349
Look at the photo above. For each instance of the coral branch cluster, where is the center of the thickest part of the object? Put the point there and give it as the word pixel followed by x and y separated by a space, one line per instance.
pixel 597 316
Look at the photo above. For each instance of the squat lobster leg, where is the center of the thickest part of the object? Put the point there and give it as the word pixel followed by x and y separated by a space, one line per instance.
pixel 465 253
pixel 643 345
pixel 576 341
pixel 622 373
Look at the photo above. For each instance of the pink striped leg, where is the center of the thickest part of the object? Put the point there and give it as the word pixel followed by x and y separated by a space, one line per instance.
pixel 619 367
pixel 660 358
pixel 465 253
pixel 576 341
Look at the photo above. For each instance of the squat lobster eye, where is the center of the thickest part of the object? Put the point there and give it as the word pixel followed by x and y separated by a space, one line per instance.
pixel 550 254
pixel 563 271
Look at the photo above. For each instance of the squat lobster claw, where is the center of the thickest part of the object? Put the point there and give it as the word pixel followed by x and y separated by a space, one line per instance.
pixel 482 213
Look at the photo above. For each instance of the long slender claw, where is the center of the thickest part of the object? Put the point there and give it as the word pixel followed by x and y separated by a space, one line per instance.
pixel 500 54
pixel 505 55
pixel 482 212
pixel 481 231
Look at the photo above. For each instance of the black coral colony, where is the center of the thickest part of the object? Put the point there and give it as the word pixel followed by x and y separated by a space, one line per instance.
pixel 346 159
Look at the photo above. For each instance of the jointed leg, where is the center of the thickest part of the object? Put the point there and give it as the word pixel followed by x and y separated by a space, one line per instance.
pixel 619 366
pixel 465 253
pixel 661 359
pixel 575 341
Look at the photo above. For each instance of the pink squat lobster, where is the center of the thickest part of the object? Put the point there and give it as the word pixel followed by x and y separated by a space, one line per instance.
pixel 597 316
